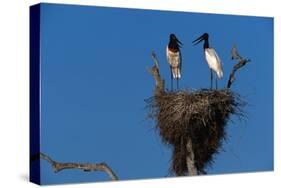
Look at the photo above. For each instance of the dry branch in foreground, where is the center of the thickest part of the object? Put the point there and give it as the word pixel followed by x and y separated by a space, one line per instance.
pixel 87 167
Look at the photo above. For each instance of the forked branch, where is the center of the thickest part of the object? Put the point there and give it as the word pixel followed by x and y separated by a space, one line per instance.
pixel 241 62
pixel 87 167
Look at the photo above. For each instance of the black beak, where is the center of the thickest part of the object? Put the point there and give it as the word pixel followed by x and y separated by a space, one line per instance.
pixel 179 42
pixel 198 40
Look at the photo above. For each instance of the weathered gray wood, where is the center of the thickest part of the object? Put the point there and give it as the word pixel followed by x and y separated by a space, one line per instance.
pixel 159 83
pixel 192 170
pixel 87 167
pixel 241 62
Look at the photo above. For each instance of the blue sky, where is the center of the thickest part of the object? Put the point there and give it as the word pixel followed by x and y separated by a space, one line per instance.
pixel 94 82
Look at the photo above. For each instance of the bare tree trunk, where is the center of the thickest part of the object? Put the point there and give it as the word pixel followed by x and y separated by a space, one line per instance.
pixel 159 89
pixel 192 170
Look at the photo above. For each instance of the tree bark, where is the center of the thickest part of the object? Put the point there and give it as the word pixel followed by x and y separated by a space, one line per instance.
pixel 192 170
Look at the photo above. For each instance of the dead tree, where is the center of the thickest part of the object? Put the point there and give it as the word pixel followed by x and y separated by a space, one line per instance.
pixel 191 122
pixel 158 92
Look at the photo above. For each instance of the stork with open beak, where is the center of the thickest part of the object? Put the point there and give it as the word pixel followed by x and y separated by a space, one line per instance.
pixel 174 58
pixel 211 57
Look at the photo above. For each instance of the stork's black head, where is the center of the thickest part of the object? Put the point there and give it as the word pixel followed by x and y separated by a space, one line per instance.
pixel 204 38
pixel 173 37
pixel 174 41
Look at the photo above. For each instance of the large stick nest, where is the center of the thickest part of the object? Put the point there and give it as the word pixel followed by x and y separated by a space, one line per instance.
pixel 201 116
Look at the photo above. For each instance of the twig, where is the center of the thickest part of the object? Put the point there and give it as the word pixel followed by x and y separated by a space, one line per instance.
pixel 87 167
pixel 242 62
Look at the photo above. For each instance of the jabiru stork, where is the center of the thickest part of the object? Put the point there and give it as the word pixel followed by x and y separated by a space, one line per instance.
pixel 211 57
pixel 174 58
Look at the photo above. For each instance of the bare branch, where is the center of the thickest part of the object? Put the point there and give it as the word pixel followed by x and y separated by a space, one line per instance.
pixel 87 167
pixel 154 57
pixel 242 62
pixel 159 83
pixel 234 53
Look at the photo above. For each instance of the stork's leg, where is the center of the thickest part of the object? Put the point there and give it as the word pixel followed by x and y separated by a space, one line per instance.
pixel 216 83
pixel 177 83
pixel 211 78
pixel 171 79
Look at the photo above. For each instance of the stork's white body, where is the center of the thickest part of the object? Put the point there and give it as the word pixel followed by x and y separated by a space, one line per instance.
pixel 174 60
pixel 214 61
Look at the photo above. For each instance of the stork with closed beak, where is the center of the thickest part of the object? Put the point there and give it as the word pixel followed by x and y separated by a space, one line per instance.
pixel 174 58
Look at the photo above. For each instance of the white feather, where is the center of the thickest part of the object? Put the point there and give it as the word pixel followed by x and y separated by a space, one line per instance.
pixel 174 60
pixel 214 61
